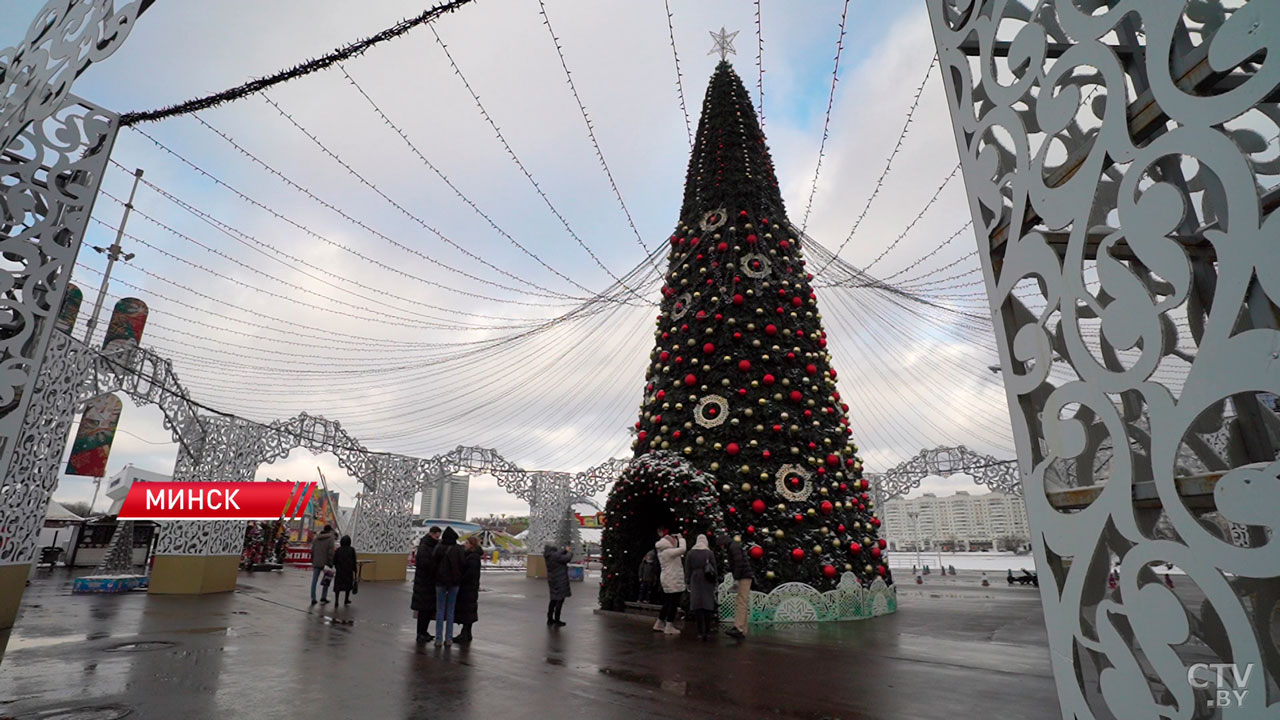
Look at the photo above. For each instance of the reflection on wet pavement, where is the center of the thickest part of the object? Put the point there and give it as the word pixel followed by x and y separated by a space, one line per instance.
pixel 263 651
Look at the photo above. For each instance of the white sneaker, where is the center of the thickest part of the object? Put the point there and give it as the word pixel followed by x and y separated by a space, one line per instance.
pixel 671 630
pixel 658 626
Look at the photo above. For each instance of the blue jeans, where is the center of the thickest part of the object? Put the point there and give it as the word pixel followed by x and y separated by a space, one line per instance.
pixel 446 599
pixel 316 573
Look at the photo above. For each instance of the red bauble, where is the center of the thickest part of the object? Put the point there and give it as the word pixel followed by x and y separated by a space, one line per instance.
pixel 757 506
pixel 882 570
pixel 796 396
pixel 840 527
pixel 828 571
pixel 797 301
pixel 770 329
pixel 738 299
pixel 751 529
pixel 664 355
pixel 642 436
pixel 799 518
pixel 875 522
pixel 811 369
pixel 752 239
pixel 777 428
pixel 744 365
pixel 731 448
pixel 660 394
pixel 833 459
pixel 797 554
pixel 881 543
pixel 756 552
pixel 708 348
pixel 722 246
pixel 875 552
pixel 854 548
pixel 767 379
pixel 766 455
pixel 690 379
pixel 826 507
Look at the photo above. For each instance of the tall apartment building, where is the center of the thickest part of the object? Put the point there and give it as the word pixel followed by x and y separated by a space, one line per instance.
pixel 960 522
pixel 447 500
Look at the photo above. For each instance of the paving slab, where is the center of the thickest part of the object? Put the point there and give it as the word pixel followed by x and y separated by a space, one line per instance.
pixel 263 651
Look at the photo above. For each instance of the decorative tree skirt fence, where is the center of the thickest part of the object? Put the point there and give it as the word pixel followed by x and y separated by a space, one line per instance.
pixel 801 603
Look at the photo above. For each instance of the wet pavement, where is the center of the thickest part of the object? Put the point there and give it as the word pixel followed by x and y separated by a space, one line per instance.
pixel 955 651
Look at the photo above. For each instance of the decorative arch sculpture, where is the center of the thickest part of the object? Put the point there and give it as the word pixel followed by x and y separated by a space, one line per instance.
pixel 999 475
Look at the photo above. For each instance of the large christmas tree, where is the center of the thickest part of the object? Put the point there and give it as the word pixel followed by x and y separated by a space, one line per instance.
pixel 742 428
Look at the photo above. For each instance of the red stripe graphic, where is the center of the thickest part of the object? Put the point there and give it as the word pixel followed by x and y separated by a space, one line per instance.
pixel 306 499
pixel 206 500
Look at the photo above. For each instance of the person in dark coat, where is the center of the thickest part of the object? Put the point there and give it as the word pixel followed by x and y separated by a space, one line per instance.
pixel 322 548
pixel 344 566
pixel 648 575
pixel 448 560
pixel 423 603
pixel 740 567
pixel 557 581
pixel 468 610
pixel 700 575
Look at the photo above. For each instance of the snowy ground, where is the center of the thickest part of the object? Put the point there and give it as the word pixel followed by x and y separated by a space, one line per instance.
pixel 991 562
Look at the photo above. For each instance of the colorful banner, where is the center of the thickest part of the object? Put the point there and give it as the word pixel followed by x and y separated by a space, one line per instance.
pixel 70 309
pixel 93 441
pixel 127 321
pixel 215 500
pixel 590 521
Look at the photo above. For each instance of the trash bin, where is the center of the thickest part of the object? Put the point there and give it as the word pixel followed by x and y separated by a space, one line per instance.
pixel 577 572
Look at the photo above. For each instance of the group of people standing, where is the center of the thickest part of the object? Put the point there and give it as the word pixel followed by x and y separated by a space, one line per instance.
pixel 446 586
pixel 332 562
pixel 675 569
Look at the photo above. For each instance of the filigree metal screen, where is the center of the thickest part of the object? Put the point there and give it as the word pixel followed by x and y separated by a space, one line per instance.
pixel 1121 167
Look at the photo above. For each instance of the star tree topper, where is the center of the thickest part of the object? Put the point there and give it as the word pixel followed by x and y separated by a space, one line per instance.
pixel 724 43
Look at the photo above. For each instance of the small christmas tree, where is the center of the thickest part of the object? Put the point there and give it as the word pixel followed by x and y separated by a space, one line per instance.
pixel 742 428
pixel 118 560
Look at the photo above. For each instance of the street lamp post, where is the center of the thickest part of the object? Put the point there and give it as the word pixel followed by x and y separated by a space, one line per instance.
pixel 915 522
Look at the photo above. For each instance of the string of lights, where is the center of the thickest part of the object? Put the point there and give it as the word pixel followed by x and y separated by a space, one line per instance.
pixel 915 102
pixel 293 262
pixel 305 68
pixel 591 133
pixel 519 164
pixel 418 153
pixel 760 65
pixel 916 219
pixel 545 292
pixel 684 107
pixel 341 213
pixel 826 120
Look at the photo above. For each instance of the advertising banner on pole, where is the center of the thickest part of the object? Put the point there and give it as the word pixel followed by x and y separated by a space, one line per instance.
pixel 93 440
pixel 127 322
pixel 70 309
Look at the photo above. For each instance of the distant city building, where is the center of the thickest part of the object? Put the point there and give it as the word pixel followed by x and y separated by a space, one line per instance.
pixel 448 499
pixel 117 486
pixel 961 522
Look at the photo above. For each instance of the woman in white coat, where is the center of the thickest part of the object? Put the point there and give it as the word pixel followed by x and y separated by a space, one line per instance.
pixel 671 577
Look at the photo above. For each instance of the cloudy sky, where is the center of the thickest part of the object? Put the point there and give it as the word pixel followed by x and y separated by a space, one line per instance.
pixel 317 291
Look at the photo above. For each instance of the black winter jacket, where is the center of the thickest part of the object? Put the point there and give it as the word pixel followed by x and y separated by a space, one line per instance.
pixel 449 558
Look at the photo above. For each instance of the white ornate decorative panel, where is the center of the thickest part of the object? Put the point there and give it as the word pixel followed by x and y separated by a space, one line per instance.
pixel 1121 163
